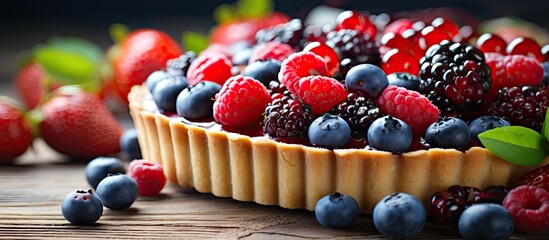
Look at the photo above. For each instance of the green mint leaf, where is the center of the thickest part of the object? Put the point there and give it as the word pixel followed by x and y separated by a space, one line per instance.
pixel 515 144
pixel 545 129
pixel 224 13
pixel 67 67
pixel 194 41
pixel 254 8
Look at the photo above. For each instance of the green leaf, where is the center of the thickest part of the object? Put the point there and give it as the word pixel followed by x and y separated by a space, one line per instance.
pixel 118 32
pixel 77 46
pixel 194 41
pixel 515 144
pixel 66 66
pixel 545 129
pixel 254 8
pixel 224 13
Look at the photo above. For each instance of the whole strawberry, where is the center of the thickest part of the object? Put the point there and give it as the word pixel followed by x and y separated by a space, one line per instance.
pixel 142 52
pixel 15 133
pixel 27 82
pixel 79 124
pixel 538 177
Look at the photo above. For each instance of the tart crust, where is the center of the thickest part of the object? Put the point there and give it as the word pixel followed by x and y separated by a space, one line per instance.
pixel 294 176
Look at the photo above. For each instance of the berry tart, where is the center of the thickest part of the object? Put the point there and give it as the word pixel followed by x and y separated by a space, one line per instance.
pixel 355 107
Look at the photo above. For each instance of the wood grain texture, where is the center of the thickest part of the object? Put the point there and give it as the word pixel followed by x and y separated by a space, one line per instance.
pixel 31 196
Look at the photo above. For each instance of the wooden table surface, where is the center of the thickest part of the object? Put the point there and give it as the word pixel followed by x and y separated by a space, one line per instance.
pixel 31 193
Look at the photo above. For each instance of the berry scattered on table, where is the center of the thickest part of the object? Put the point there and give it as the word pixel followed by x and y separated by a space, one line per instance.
pixel 118 191
pixel 264 71
pixel 196 102
pixel 366 79
pixel 15 133
pixel 486 221
pixel 390 134
pixel 240 102
pixel 99 168
pixel 336 210
pixel 166 91
pixel 529 207
pixel 405 80
pixel 129 144
pixel 447 206
pixel 448 132
pixel 409 106
pixel 215 67
pixel 149 176
pixel 82 208
pixel 538 177
pixel 399 215
pixel 329 131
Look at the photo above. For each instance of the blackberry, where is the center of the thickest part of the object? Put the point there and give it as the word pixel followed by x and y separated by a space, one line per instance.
pixel 525 106
pixel 288 33
pixel 353 44
pixel 359 112
pixel 276 87
pixel 314 33
pixel 455 77
pixel 181 64
pixel 344 66
pixel 286 116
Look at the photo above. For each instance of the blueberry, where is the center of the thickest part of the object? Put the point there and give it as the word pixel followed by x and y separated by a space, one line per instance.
pixel 390 134
pixel 486 123
pixel 399 215
pixel 448 132
pixel 100 167
pixel 486 221
pixel 336 210
pixel 405 80
pixel 242 57
pixel 263 70
pixel 197 101
pixel 545 79
pixel 129 144
pixel 166 91
pixel 155 77
pixel 118 191
pixel 366 79
pixel 82 208
pixel 329 131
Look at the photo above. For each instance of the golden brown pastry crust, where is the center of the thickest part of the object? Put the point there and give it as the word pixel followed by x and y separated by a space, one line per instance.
pixel 295 176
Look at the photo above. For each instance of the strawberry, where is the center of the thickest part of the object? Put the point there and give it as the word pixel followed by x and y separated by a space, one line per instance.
pixel 142 52
pixel 28 84
pixel 234 31
pixel 79 124
pixel 538 177
pixel 15 133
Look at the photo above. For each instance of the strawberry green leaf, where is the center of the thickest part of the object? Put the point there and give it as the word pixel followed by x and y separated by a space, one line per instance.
pixel 224 13
pixel 118 32
pixel 515 144
pixel 254 8
pixel 78 46
pixel 545 129
pixel 67 67
pixel 193 41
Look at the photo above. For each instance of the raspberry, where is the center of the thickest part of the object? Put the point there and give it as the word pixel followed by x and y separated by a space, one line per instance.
pixel 359 112
pixel 288 33
pixel 326 52
pixel 213 67
pixel 271 50
pixel 529 207
pixel 538 177
pixel 513 71
pixel 298 65
pixel 286 116
pixel 320 92
pixel 524 106
pixel 148 175
pixel 408 106
pixel 240 102
pixel 455 77
pixel 525 46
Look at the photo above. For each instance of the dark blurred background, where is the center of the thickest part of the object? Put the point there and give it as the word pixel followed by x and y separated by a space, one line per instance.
pixel 24 23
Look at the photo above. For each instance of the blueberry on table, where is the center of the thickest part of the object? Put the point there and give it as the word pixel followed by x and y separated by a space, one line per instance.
pixel 486 221
pixel 82 208
pixel 366 79
pixel 117 192
pixel 196 102
pixel 399 215
pixel 336 210
pixel 100 167
pixel 129 144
